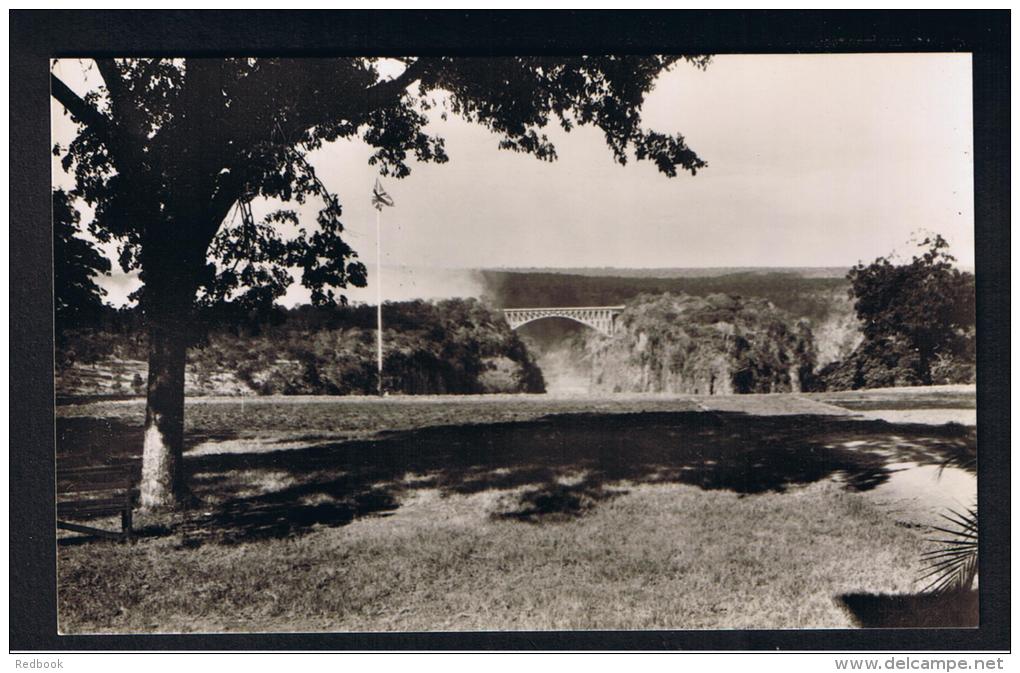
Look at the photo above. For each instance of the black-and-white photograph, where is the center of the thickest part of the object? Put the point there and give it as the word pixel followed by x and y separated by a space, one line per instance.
pixel 436 343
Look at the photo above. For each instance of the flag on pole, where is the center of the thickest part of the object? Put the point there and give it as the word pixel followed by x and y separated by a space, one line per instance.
pixel 379 196
pixel 379 199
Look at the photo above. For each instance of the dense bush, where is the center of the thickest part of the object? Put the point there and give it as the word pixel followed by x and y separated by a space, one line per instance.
pixel 719 344
pixel 453 346
pixel 918 323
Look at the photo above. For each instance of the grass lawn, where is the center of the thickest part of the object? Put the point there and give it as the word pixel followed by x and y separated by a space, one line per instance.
pixel 642 515
pixel 930 397
pixel 658 556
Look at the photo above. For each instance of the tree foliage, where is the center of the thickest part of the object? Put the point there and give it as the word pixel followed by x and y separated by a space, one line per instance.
pixel 179 149
pixel 917 318
pixel 451 346
pixel 168 149
pixel 715 345
pixel 78 300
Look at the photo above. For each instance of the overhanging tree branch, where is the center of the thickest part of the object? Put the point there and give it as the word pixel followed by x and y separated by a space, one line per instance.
pixel 411 74
pixel 357 106
pixel 111 77
pixel 130 130
pixel 88 115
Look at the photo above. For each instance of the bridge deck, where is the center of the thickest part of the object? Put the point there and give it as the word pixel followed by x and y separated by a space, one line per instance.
pixel 600 318
pixel 565 308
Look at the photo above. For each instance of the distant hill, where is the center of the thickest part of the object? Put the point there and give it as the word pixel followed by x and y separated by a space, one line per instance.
pixel 684 272
pixel 801 296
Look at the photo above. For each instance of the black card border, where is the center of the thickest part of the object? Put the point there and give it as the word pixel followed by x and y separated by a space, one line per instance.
pixel 36 36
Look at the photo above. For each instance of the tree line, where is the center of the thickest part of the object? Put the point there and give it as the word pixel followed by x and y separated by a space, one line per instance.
pixel 452 346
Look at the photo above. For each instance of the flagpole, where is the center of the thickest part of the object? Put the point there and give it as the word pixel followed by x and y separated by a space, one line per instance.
pixel 378 295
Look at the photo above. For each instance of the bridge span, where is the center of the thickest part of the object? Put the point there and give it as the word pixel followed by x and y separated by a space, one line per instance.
pixel 599 318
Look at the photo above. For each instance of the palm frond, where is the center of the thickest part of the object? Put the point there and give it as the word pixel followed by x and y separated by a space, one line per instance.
pixel 954 564
pixel 965 459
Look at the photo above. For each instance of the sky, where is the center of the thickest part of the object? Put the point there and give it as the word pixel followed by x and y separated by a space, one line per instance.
pixel 813 160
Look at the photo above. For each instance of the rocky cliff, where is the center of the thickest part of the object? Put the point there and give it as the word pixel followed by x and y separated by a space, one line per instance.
pixel 715 345
pixel 451 346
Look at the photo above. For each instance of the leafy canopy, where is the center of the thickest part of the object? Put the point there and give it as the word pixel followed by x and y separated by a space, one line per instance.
pixel 172 152
pixel 926 301
pixel 78 300
pixel 918 319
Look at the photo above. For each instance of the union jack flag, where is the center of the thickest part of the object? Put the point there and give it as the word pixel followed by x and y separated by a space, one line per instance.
pixel 379 196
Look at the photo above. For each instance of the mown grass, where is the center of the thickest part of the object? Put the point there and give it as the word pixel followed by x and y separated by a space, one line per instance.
pixel 933 397
pixel 653 557
pixel 637 514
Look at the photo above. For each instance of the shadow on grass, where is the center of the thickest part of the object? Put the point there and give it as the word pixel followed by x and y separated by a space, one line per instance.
pixel 559 502
pixel 148 531
pixel 277 515
pixel 881 611
pixel 331 485
pixel 87 441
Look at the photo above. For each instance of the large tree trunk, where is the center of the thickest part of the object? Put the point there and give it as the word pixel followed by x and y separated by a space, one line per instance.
pixel 163 485
pixel 168 299
pixel 173 258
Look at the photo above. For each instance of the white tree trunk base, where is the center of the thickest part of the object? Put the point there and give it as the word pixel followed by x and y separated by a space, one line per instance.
pixel 157 488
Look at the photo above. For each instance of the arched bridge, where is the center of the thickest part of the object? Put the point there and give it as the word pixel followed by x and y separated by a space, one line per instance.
pixel 600 318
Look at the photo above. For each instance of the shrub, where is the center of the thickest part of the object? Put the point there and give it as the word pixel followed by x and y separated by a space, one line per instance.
pixel 918 323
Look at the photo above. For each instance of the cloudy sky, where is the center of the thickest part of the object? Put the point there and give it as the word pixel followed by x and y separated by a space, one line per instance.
pixel 814 160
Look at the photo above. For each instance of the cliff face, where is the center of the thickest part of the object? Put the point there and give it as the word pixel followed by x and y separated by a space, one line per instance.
pixel 714 345
pixel 453 346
